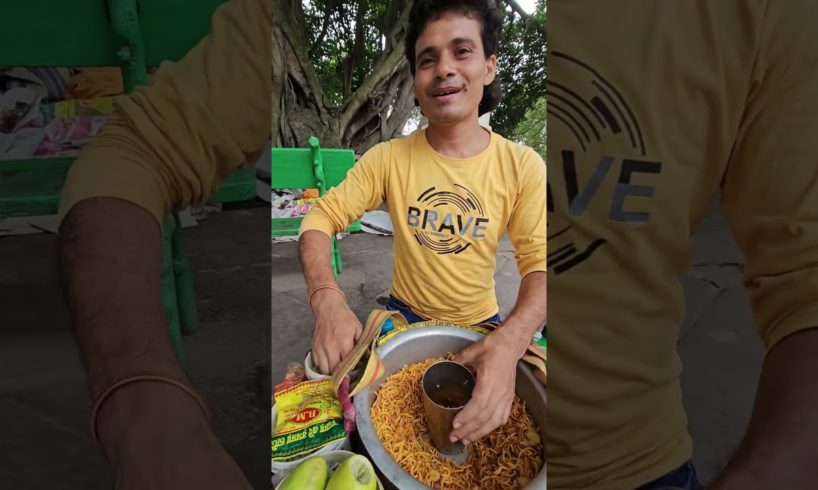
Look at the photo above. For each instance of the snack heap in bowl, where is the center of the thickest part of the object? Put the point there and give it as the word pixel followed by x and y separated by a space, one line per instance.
pixel 507 459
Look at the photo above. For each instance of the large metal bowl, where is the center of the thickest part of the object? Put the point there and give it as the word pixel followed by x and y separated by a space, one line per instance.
pixel 415 346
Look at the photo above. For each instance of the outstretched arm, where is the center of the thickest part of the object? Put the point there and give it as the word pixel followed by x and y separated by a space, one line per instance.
pixel 495 357
pixel 165 146
pixel 780 449
pixel 770 200
pixel 154 434
pixel 336 326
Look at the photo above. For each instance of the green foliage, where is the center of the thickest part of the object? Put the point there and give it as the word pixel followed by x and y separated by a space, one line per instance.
pixel 521 67
pixel 335 52
pixel 531 129
pixel 521 53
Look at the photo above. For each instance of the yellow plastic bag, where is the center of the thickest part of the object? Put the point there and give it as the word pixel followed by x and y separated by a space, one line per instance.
pixel 309 417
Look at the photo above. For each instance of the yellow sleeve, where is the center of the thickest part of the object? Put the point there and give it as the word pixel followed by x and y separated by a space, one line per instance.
pixel 363 189
pixel 770 189
pixel 527 224
pixel 174 142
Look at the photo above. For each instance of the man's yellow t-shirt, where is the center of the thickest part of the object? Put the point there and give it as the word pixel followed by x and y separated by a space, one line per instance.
pixel 448 216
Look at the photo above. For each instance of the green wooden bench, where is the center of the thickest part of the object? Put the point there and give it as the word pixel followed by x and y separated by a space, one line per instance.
pixel 309 168
pixel 135 35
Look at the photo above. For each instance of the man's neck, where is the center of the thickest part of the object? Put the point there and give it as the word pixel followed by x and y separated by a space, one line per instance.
pixel 462 140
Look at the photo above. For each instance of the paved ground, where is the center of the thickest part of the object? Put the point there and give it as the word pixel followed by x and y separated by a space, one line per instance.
pixel 721 351
pixel 47 401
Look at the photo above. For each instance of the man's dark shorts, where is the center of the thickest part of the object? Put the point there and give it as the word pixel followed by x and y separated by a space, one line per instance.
pixel 682 478
pixel 395 304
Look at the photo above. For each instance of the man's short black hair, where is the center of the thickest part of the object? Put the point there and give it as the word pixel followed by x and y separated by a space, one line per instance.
pixel 485 11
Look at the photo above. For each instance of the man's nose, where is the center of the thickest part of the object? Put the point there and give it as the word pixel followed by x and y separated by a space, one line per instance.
pixel 445 67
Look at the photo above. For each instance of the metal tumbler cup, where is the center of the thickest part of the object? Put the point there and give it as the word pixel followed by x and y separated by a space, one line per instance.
pixel 447 387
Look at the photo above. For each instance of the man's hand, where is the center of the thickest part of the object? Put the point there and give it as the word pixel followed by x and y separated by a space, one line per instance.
pixel 157 437
pixel 336 330
pixel 336 326
pixel 495 360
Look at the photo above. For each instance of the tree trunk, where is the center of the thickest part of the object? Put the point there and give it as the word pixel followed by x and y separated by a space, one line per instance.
pixel 300 109
pixel 376 111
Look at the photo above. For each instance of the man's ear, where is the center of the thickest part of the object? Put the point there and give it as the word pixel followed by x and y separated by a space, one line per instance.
pixel 491 70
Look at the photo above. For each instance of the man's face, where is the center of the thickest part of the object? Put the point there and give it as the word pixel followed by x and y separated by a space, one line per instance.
pixel 451 69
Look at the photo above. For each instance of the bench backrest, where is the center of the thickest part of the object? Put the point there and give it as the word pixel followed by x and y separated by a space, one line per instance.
pixel 94 32
pixel 306 168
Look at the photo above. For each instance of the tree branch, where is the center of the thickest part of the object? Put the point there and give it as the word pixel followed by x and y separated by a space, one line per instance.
pixel 298 97
pixel 386 65
pixel 279 71
pixel 388 22
pixel 374 111
pixel 380 100
pixel 518 9
pixel 286 20
pixel 330 7
pixel 395 20
pixel 382 71
pixel 398 29
pixel 402 108
pixel 357 50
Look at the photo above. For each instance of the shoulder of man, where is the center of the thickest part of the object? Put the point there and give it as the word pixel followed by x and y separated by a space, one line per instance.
pixel 383 151
pixel 523 154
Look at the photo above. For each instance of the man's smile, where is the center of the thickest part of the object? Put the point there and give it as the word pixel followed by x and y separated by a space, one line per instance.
pixel 447 93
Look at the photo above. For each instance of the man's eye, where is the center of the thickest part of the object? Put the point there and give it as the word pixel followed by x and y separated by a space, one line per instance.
pixel 463 51
pixel 425 61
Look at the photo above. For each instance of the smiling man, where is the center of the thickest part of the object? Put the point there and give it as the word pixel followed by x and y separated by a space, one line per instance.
pixel 452 190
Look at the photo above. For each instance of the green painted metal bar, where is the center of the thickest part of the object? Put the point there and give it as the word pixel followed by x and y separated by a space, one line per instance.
pixel 320 181
pixel 183 280
pixel 125 22
pixel 169 297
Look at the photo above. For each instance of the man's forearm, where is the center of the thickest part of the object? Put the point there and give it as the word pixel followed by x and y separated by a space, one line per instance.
pixel 110 257
pixel 530 310
pixel 314 250
pixel 780 449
